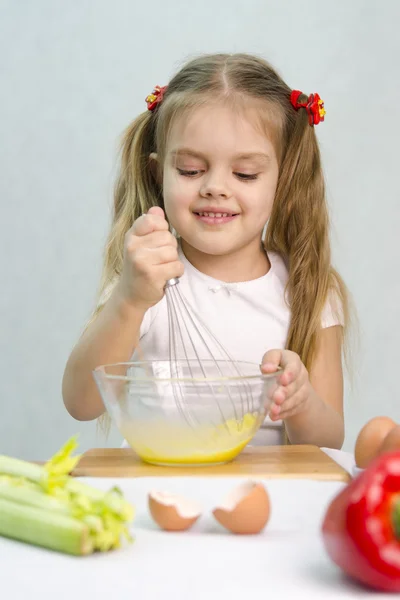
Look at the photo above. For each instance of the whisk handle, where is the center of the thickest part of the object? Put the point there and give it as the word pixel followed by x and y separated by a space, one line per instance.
pixel 172 282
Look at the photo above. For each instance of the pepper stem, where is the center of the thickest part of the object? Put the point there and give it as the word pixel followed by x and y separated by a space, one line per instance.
pixel 396 519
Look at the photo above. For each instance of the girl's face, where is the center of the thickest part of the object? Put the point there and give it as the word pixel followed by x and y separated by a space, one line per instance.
pixel 220 176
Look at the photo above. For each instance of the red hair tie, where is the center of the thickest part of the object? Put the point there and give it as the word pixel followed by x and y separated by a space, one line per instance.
pixel 313 105
pixel 156 97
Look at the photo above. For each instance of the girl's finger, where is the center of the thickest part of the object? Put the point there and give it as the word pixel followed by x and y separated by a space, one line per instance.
pixel 156 239
pixel 280 395
pixel 289 413
pixel 274 412
pixel 291 372
pixel 156 210
pixel 284 392
pixel 271 361
pixel 293 405
pixel 148 223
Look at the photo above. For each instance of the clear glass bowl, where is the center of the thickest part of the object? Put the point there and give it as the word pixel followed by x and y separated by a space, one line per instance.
pixel 185 412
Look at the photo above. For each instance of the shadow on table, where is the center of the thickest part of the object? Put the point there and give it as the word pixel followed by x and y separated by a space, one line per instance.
pixel 331 576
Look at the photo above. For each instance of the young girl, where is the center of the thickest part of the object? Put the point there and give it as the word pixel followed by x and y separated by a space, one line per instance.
pixel 226 156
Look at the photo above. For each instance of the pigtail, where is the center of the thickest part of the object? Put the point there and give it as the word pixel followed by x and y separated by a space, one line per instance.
pixel 299 231
pixel 136 190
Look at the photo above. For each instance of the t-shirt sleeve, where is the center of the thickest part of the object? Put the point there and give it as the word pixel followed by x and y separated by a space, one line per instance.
pixel 332 313
pixel 105 296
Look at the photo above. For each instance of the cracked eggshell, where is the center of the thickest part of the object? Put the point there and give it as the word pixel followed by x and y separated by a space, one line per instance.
pixel 173 512
pixel 245 510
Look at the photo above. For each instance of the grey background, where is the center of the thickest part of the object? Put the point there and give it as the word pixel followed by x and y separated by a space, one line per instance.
pixel 72 75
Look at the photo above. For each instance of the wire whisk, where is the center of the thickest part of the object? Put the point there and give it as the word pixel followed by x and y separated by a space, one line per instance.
pixel 195 352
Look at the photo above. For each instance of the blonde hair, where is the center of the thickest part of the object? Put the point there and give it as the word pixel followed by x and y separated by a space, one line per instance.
pixel 298 228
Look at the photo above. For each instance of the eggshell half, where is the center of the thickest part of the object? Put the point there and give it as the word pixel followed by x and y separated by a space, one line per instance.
pixel 370 438
pixel 172 512
pixel 391 441
pixel 246 510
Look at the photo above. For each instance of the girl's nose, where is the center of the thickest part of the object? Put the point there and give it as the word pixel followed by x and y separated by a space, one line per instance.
pixel 215 187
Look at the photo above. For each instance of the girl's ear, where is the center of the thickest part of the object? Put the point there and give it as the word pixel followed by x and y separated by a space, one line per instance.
pixel 155 167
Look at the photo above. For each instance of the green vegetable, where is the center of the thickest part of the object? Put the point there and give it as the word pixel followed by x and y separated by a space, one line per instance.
pixel 42 528
pixel 45 506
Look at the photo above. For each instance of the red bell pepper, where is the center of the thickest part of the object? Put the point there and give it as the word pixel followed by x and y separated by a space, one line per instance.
pixel 361 528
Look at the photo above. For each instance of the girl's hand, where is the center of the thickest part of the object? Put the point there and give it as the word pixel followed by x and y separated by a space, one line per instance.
pixel 150 259
pixel 294 387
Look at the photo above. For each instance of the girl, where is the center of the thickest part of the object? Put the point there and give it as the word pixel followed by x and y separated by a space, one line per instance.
pixel 226 156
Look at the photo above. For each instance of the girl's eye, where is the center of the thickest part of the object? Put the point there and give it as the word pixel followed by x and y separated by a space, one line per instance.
pixel 246 176
pixel 242 176
pixel 187 173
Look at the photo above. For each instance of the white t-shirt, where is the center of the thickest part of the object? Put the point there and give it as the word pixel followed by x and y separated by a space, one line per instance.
pixel 247 318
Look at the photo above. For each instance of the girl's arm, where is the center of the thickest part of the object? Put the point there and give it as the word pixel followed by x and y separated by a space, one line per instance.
pixel 322 421
pixel 150 259
pixel 311 405
pixel 111 338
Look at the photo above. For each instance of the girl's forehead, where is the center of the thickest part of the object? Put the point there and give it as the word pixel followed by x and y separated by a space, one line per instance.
pixel 219 124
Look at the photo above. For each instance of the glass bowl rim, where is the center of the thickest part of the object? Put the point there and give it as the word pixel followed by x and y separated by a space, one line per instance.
pixel 263 376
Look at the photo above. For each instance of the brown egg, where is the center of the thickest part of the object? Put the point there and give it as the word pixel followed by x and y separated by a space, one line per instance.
pixel 172 512
pixel 370 438
pixel 391 441
pixel 246 510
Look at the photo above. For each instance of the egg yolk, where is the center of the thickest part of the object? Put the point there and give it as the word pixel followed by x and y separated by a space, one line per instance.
pixel 199 445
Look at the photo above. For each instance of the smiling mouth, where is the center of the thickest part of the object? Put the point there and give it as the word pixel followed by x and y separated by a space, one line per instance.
pixel 215 215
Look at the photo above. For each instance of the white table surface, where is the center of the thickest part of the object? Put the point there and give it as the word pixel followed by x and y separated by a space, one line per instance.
pixel 286 560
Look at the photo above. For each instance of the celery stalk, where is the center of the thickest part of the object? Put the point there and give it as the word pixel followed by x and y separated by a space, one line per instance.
pixel 31 497
pixel 57 468
pixel 52 494
pixel 42 528
pixel 43 476
pixel 113 499
pixel 21 468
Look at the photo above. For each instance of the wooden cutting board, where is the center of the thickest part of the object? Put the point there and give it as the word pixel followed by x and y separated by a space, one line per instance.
pixel 303 462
